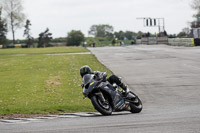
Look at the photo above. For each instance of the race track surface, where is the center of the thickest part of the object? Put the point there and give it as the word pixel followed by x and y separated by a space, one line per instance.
pixel 166 78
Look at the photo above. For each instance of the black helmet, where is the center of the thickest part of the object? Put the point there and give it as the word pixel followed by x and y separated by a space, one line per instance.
pixel 85 70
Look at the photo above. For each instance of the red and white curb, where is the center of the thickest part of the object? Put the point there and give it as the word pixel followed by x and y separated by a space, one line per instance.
pixel 65 115
pixel 38 119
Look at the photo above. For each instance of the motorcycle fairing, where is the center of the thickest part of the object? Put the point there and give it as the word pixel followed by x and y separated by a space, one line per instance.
pixel 118 102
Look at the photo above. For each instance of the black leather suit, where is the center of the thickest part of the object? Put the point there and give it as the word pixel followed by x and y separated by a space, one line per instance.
pixel 112 79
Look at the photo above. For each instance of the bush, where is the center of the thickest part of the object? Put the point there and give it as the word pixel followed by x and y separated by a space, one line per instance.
pixel 74 38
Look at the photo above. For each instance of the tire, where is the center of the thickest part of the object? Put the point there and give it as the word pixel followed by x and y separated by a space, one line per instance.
pixel 97 105
pixel 136 105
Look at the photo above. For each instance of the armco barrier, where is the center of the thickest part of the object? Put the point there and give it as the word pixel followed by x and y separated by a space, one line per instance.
pixel 188 42
pixel 162 40
pixel 154 40
pixel 144 40
pixel 138 41
pixel 181 42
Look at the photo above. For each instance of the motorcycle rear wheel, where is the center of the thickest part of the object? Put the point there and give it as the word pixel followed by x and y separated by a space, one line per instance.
pixel 136 105
pixel 104 110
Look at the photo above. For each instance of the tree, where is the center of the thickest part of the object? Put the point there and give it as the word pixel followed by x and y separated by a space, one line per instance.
pixel 44 38
pixel 27 33
pixel 184 33
pixel 181 35
pixel 172 36
pixel 119 35
pixel 130 35
pixel 140 34
pixel 113 42
pixel 101 30
pixel 3 29
pixel 15 17
pixel 75 37
pixel 196 5
pixel 186 30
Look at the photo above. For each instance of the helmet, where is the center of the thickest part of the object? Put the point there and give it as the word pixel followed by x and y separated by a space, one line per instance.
pixel 85 70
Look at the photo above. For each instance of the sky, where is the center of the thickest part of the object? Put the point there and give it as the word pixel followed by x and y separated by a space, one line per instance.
pixel 62 16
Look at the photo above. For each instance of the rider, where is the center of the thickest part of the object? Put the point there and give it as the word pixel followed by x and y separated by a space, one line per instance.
pixel 102 75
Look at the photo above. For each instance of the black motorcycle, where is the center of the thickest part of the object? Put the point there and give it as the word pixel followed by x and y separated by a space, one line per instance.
pixel 107 98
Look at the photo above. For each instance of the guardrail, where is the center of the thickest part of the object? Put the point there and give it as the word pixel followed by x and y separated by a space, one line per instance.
pixel 154 40
pixel 189 42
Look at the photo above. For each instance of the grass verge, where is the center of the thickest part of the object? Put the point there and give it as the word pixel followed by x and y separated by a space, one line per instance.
pixel 44 83
pixel 49 50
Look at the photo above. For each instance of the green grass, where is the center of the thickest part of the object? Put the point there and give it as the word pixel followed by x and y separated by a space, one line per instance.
pixel 44 83
pixel 49 50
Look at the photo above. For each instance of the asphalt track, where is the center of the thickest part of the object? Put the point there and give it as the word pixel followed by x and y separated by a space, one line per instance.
pixel 166 78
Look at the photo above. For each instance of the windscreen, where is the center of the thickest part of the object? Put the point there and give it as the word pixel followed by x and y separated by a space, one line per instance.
pixel 88 78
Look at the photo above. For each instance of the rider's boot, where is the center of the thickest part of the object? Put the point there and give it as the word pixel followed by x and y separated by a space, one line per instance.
pixel 125 88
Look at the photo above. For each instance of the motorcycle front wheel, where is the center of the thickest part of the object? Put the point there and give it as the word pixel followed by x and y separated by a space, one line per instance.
pixel 103 108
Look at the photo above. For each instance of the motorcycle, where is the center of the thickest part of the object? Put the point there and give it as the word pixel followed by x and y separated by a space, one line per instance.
pixel 107 98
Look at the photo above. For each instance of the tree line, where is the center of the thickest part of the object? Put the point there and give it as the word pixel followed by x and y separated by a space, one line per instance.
pixel 12 18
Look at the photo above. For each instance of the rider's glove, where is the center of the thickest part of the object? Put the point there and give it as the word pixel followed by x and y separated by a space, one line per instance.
pixel 104 75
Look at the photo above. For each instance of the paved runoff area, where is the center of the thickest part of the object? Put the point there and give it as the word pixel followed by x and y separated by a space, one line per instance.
pixel 166 78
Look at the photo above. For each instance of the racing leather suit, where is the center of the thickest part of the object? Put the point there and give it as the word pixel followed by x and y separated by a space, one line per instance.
pixel 112 79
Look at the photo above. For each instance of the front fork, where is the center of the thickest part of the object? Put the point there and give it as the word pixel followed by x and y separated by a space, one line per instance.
pixel 101 97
